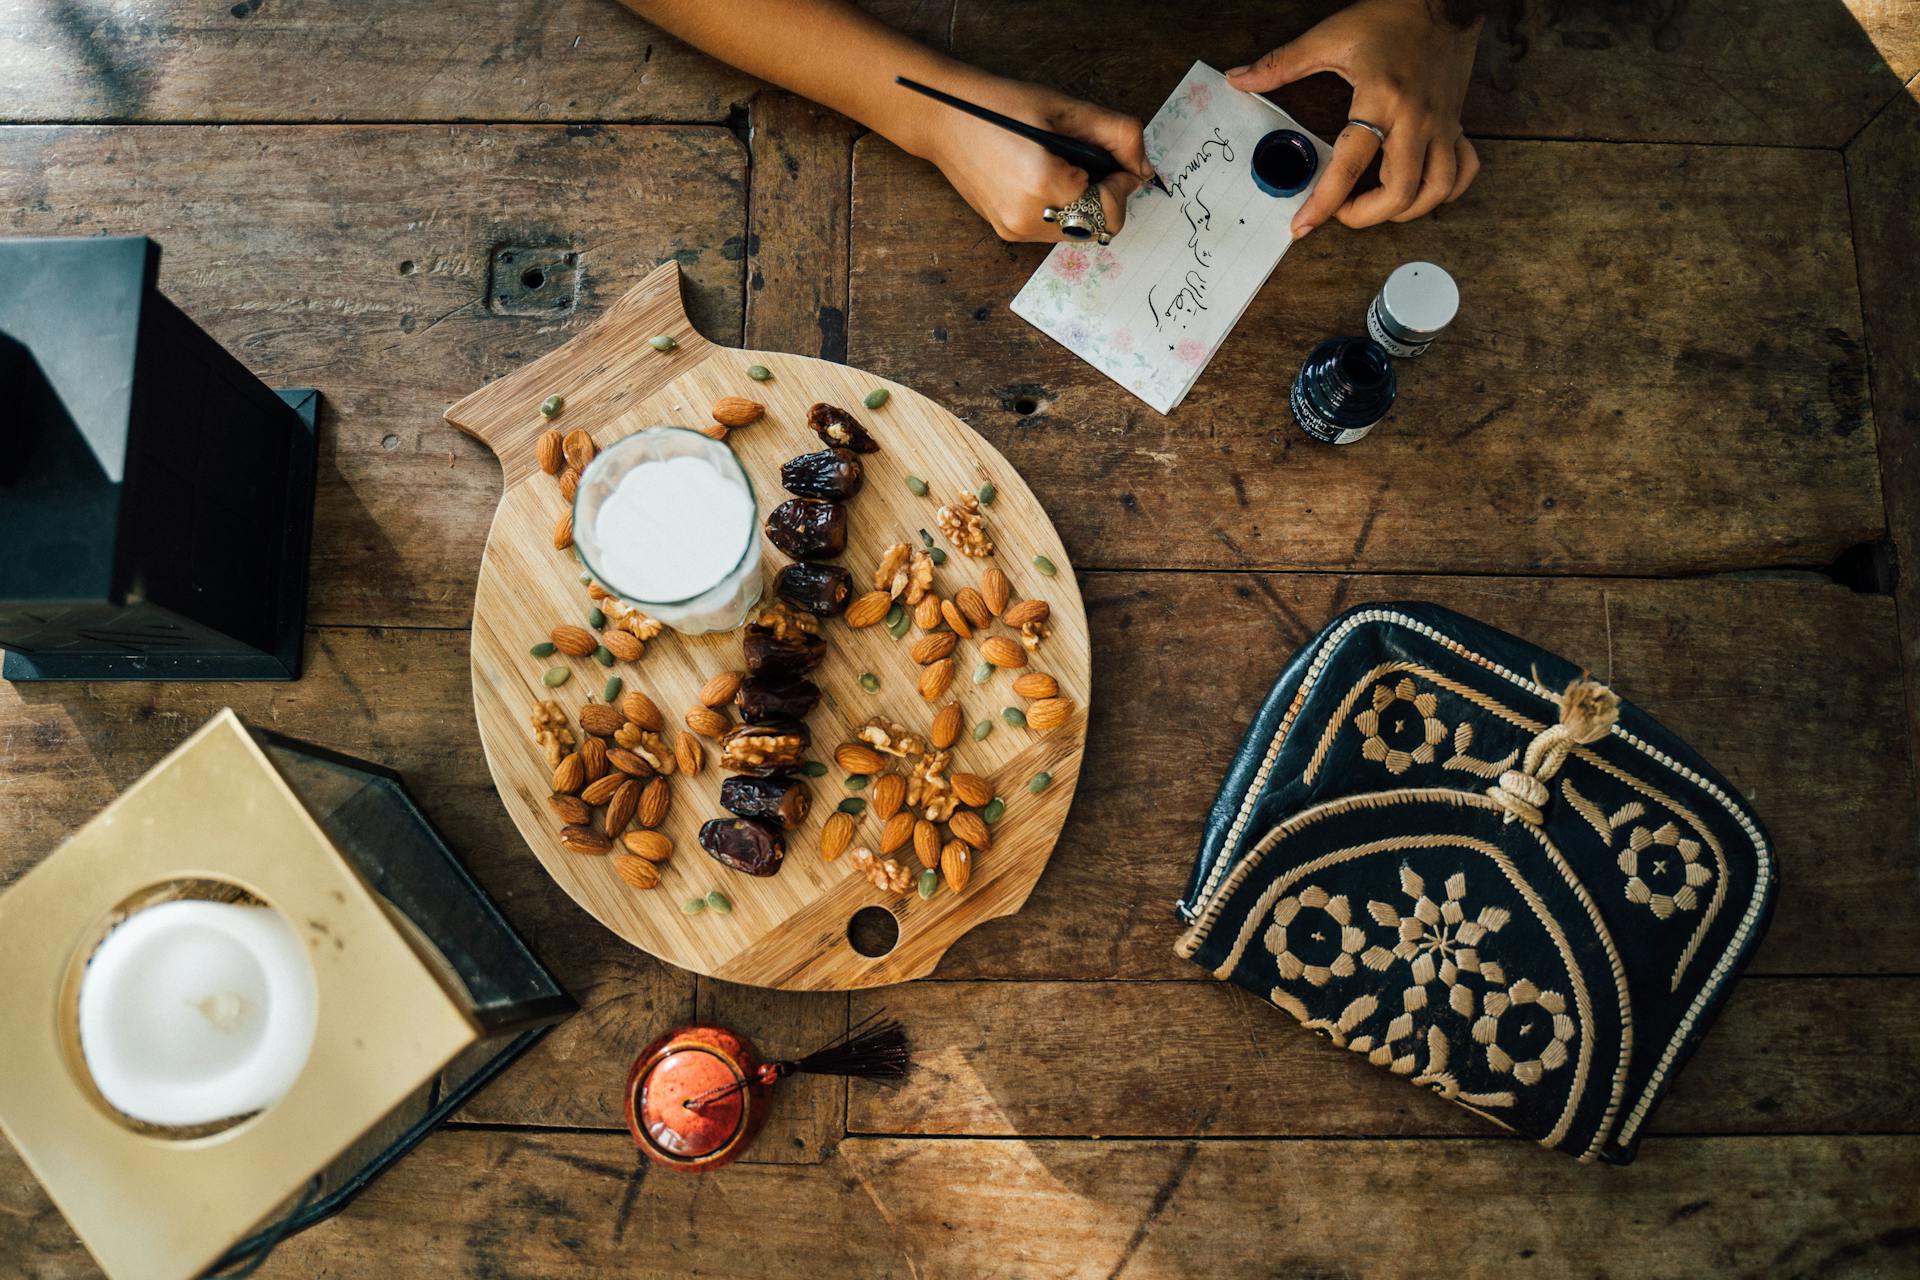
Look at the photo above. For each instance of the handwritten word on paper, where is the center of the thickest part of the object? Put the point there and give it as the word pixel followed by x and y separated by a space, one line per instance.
pixel 1150 309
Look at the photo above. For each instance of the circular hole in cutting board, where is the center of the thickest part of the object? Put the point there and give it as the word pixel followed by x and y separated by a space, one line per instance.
pixel 873 932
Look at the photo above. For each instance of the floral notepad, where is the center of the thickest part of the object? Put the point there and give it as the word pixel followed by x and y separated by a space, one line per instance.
pixel 1150 309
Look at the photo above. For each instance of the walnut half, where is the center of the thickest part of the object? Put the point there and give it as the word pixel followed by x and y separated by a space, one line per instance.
pixel 885 736
pixel 961 521
pixel 765 748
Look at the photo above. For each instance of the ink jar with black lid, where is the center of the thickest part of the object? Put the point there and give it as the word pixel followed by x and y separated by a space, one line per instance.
pixel 1345 386
pixel 1418 301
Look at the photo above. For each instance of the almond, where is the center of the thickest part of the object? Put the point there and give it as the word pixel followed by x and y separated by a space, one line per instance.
pixel 580 838
pixel 889 793
pixel 569 484
pixel 578 446
pixel 956 619
pixel 597 592
pixel 563 530
pixel 1002 652
pixel 719 690
pixel 946 727
pixel 623 645
pixel 628 763
pixel 1027 611
pixel 626 799
pixel 926 843
pixel 570 774
pixel 601 790
pixel 897 832
pixel 637 707
pixel 936 679
pixel 967 824
pixel 995 591
pixel 637 872
pixel 654 800
pixel 737 411
pixel 601 720
pixel 973 606
pixel 856 757
pixel 972 789
pixel 707 722
pixel 570 809
pixel 692 757
pixel 933 646
pixel 926 614
pixel 593 754
pixel 575 642
pixel 548 451
pixel 713 431
pixel 1036 684
pixel 1049 713
pixel 650 845
pixel 868 609
pixel 836 835
pixel 956 864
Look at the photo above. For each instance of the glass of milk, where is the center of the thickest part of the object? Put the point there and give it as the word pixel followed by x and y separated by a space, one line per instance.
pixel 666 520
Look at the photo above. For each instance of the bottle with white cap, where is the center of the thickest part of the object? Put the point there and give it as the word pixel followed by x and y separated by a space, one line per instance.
pixel 1418 301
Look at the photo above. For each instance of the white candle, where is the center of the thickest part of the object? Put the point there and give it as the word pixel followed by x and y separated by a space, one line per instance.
pixel 192 1012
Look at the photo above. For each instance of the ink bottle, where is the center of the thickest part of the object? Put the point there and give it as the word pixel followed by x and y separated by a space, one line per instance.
pixel 1344 387
pixel 1418 300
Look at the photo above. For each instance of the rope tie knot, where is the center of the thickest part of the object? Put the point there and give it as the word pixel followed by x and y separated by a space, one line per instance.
pixel 1588 711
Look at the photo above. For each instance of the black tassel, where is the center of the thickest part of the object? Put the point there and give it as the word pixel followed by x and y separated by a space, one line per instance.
pixel 868 1050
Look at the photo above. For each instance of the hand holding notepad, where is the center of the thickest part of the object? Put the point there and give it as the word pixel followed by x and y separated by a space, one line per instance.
pixel 1150 310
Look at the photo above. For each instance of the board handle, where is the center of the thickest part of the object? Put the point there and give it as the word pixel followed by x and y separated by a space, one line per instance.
pixel 607 366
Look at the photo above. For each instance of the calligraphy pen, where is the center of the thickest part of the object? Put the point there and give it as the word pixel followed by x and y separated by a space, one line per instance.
pixel 1096 160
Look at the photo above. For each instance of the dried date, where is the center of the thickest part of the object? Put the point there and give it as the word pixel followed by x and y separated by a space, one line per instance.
pixel 780 800
pixel 833 474
pixel 808 528
pixel 821 589
pixel 761 700
pixel 838 429
pixel 743 844
pixel 769 655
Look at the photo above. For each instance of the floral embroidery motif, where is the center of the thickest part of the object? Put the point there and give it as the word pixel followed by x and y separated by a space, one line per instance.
pixel 1318 946
pixel 1437 941
pixel 1642 860
pixel 1400 737
pixel 1537 1024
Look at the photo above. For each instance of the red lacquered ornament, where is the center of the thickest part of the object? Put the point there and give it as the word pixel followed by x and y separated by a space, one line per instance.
pixel 696 1097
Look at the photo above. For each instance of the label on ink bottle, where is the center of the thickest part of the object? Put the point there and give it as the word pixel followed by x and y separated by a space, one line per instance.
pixel 1320 428
pixel 1394 347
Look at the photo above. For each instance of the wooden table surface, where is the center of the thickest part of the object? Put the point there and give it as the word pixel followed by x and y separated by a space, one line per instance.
pixel 1673 435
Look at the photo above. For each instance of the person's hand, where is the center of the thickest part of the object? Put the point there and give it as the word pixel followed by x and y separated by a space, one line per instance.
pixel 1009 180
pixel 1409 71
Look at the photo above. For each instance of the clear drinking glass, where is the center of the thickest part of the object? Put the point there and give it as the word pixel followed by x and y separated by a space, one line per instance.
pixel 720 605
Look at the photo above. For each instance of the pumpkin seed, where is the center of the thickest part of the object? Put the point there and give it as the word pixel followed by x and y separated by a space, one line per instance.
pixel 929 882
pixel 981 730
pixel 759 372
pixel 814 769
pixel 603 656
pixel 870 682
pixel 720 902
pixel 937 555
pixel 551 406
pixel 875 398
pixel 995 810
pixel 926 539
pixel 585 577
pixel 1014 716
pixel 611 694
pixel 855 781
pixel 918 486
pixel 693 906
pixel 596 619
pixel 1041 781
pixel 542 650
pixel 983 673
pixel 556 676
pixel 662 342
pixel 987 494
pixel 853 805
pixel 1044 565
pixel 898 627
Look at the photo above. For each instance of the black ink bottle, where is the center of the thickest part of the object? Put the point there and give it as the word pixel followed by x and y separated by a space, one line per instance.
pixel 1345 387
pixel 1284 162
pixel 1413 306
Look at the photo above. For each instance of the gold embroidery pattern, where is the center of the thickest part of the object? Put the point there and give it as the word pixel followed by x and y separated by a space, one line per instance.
pixel 1641 858
pixel 1550 1031
pixel 1386 729
pixel 1438 942
pixel 1336 923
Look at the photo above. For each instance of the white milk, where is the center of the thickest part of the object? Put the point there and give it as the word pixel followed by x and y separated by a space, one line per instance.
pixel 674 527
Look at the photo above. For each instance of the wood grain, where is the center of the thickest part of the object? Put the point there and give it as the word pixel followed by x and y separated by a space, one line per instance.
pixel 1626 389
pixel 788 930
pixel 1154 1059
pixel 797 237
pixel 359 260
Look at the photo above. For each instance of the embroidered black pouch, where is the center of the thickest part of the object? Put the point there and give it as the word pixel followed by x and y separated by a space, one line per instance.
pixel 1446 849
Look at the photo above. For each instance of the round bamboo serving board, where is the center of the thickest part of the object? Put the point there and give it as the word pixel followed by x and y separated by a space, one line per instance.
pixel 789 930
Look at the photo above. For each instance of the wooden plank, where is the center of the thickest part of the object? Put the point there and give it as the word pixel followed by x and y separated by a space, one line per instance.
pixel 270 60
pixel 362 264
pixel 797 227
pixel 513 1204
pixel 1774 72
pixel 1151 1059
pixel 1658 369
pixel 1883 172
pixel 809 1113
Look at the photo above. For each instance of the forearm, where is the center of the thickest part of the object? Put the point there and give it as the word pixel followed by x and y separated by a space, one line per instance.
pixel 826 50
